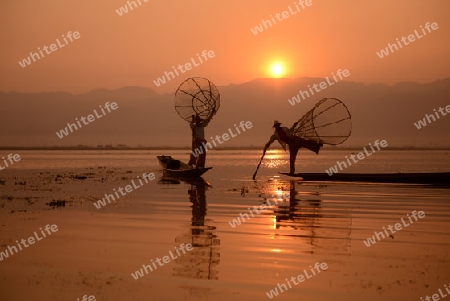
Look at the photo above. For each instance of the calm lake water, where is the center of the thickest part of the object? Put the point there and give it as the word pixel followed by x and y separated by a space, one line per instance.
pixel 311 222
pixel 237 162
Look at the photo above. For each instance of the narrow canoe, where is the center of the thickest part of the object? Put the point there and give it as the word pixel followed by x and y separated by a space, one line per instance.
pixel 177 169
pixel 437 178
pixel 188 173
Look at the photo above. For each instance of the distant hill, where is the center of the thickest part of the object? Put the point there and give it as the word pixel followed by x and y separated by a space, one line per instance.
pixel 147 118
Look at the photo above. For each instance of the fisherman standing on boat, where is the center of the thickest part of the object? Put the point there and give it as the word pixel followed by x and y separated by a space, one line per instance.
pixel 284 136
pixel 198 158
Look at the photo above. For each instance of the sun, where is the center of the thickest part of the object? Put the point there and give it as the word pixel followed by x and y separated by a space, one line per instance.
pixel 277 70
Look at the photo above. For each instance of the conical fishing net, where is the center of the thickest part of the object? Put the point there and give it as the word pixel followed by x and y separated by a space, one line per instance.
pixel 197 96
pixel 329 122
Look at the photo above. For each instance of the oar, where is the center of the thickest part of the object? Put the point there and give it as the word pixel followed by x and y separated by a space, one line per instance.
pixel 254 175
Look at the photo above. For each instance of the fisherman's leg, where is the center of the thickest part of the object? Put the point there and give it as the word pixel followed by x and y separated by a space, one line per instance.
pixel 192 158
pixel 197 148
pixel 311 145
pixel 201 159
pixel 293 150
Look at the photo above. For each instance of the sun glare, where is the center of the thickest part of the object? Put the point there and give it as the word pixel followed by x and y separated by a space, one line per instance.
pixel 277 70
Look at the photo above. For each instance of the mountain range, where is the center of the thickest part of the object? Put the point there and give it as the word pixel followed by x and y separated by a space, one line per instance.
pixel 147 118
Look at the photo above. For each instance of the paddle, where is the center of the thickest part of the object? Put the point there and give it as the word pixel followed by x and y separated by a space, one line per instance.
pixel 254 175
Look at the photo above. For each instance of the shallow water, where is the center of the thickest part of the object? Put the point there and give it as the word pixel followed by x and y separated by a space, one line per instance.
pixel 230 163
pixel 303 223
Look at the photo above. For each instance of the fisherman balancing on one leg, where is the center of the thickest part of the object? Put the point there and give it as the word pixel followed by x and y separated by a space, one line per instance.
pixel 329 121
pixel 285 136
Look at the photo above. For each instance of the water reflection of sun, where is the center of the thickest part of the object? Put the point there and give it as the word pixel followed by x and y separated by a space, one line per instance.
pixel 274 158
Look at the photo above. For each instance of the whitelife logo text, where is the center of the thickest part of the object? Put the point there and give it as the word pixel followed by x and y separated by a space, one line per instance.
pixel 11 250
pixel 169 75
pixel 110 197
pixel 423 122
pixel 411 38
pixel 265 24
pixel 166 259
pixel 90 118
pixel 10 158
pixel 371 240
pixel 318 87
pixel 207 146
pixel 124 9
pixel 341 164
pixel 49 49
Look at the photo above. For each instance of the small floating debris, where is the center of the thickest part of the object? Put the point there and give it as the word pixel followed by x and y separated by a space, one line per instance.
pixel 57 203
pixel 20 210
pixel 244 190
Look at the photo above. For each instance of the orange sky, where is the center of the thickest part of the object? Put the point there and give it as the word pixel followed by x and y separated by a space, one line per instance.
pixel 134 49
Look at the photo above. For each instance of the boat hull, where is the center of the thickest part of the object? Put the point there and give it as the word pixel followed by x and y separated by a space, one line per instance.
pixel 192 173
pixel 439 178
pixel 176 169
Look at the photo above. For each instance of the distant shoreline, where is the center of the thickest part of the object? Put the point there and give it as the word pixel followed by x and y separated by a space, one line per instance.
pixel 187 148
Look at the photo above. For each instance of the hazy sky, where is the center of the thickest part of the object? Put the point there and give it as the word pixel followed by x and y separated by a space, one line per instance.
pixel 138 47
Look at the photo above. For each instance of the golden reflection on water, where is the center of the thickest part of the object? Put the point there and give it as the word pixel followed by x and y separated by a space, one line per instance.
pixel 274 158
pixel 300 213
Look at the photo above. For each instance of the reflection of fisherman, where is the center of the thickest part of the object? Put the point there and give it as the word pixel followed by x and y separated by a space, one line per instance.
pixel 202 261
pixel 198 153
pixel 285 136
pixel 197 196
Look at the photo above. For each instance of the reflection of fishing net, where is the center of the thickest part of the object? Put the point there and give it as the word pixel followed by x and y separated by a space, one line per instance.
pixel 328 122
pixel 197 96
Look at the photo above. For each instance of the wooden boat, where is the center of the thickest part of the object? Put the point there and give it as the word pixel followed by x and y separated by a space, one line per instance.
pixel 176 169
pixel 437 178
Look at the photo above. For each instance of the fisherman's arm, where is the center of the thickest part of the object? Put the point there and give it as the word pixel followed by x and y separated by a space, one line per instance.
pixel 206 121
pixel 293 127
pixel 272 140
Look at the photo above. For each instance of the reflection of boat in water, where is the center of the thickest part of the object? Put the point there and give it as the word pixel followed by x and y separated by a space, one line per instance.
pixel 177 180
pixel 326 229
pixel 202 261
pixel 177 169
